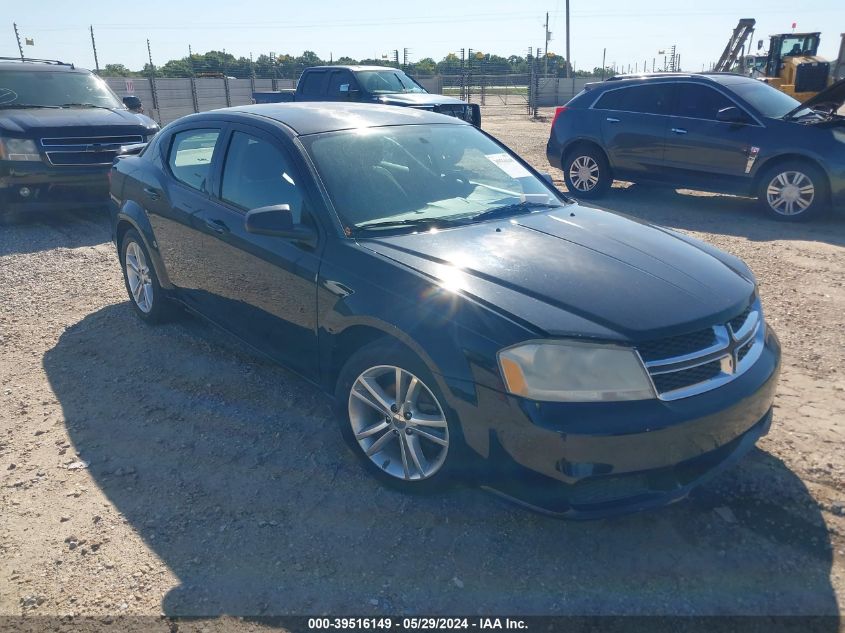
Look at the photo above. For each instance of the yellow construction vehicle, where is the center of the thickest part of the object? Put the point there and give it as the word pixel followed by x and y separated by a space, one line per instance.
pixel 794 67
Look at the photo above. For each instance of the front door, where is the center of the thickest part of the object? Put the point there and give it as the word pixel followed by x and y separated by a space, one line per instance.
pixel 262 288
pixel 702 151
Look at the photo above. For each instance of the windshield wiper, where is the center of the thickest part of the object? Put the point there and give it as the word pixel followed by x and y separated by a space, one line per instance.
pixel 415 222
pixel 84 105
pixel 25 105
pixel 510 209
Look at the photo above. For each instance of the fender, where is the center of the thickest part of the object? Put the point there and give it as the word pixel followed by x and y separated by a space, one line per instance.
pixel 134 214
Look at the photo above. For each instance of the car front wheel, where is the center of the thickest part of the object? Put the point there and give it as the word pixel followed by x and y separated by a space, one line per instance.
pixel 587 173
pixel 793 192
pixel 392 415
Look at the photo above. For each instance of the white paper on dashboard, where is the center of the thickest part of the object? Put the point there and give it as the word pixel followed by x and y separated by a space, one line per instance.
pixel 507 164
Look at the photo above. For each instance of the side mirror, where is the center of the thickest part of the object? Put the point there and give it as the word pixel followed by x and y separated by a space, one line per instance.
pixel 277 221
pixel 133 103
pixel 731 114
pixel 759 44
pixel 548 178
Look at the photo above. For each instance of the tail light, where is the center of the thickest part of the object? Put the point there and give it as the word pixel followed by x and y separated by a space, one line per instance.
pixel 558 111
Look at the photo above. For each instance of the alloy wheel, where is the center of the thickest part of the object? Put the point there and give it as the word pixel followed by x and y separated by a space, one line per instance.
pixel 139 277
pixel 790 193
pixel 584 173
pixel 398 423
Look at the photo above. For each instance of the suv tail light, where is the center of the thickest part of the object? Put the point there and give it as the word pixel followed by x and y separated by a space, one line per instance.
pixel 558 112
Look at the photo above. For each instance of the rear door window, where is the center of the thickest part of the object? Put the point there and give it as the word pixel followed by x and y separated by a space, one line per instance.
pixel 647 99
pixel 700 102
pixel 314 84
pixel 190 156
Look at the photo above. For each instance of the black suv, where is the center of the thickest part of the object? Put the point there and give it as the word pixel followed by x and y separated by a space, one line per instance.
pixel 714 132
pixel 60 129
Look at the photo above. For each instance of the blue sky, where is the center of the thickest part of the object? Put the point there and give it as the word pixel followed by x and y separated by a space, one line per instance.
pixel 631 32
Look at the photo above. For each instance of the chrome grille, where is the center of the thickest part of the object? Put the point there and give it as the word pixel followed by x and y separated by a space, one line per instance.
pixel 683 366
pixel 93 150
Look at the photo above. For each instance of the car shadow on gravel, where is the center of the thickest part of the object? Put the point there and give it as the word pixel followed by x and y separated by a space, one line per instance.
pixel 232 472
pixel 711 213
pixel 46 230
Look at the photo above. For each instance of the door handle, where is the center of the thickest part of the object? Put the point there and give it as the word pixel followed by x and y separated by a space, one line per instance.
pixel 218 226
pixel 152 194
pixel 679 130
pixel 610 119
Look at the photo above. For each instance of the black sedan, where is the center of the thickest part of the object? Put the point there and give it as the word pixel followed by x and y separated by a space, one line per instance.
pixel 712 131
pixel 469 320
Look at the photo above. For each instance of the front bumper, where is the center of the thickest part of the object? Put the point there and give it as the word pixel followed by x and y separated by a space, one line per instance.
pixel 600 459
pixel 50 187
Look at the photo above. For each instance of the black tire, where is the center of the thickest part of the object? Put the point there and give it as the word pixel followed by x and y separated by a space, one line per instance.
pixel 593 160
pixel 389 352
pixel 160 308
pixel 791 177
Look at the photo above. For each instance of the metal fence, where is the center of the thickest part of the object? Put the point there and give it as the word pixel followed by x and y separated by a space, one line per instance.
pixel 167 99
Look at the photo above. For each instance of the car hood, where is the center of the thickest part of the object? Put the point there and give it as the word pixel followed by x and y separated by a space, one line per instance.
pixel 834 95
pixel 579 271
pixel 73 121
pixel 417 99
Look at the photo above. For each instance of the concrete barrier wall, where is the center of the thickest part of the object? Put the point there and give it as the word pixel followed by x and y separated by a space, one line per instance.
pixel 556 91
pixel 433 84
pixel 177 97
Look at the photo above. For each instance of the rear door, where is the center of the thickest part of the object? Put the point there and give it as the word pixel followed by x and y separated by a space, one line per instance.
pixel 312 86
pixel 635 121
pixel 173 199
pixel 702 151
pixel 262 288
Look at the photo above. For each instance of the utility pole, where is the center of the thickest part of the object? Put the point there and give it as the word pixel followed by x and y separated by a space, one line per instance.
pixel 546 47
pixel 18 37
pixel 603 67
pixel 568 65
pixel 153 79
pixel 94 46
pixel 405 59
pixel 191 59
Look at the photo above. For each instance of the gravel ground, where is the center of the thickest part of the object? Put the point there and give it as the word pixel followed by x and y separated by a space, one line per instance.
pixel 170 471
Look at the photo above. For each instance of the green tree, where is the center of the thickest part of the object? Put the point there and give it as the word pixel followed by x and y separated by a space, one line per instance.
pixel 116 70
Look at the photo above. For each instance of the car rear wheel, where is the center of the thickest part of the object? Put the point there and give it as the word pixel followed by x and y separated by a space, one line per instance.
pixel 793 192
pixel 587 172
pixel 141 281
pixel 392 415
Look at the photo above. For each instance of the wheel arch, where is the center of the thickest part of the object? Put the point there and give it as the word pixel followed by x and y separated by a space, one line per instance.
pixel 578 143
pixel 132 216
pixel 780 159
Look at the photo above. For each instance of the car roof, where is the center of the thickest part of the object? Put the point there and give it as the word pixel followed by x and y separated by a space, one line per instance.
pixel 314 117
pixel 41 67
pixel 353 68
pixel 712 77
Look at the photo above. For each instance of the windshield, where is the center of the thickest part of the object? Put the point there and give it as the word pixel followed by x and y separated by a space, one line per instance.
pixel 59 88
pixel 414 174
pixel 799 45
pixel 769 101
pixel 387 82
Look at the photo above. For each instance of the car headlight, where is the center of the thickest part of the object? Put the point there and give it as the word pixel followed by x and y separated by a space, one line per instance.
pixel 18 149
pixel 574 371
